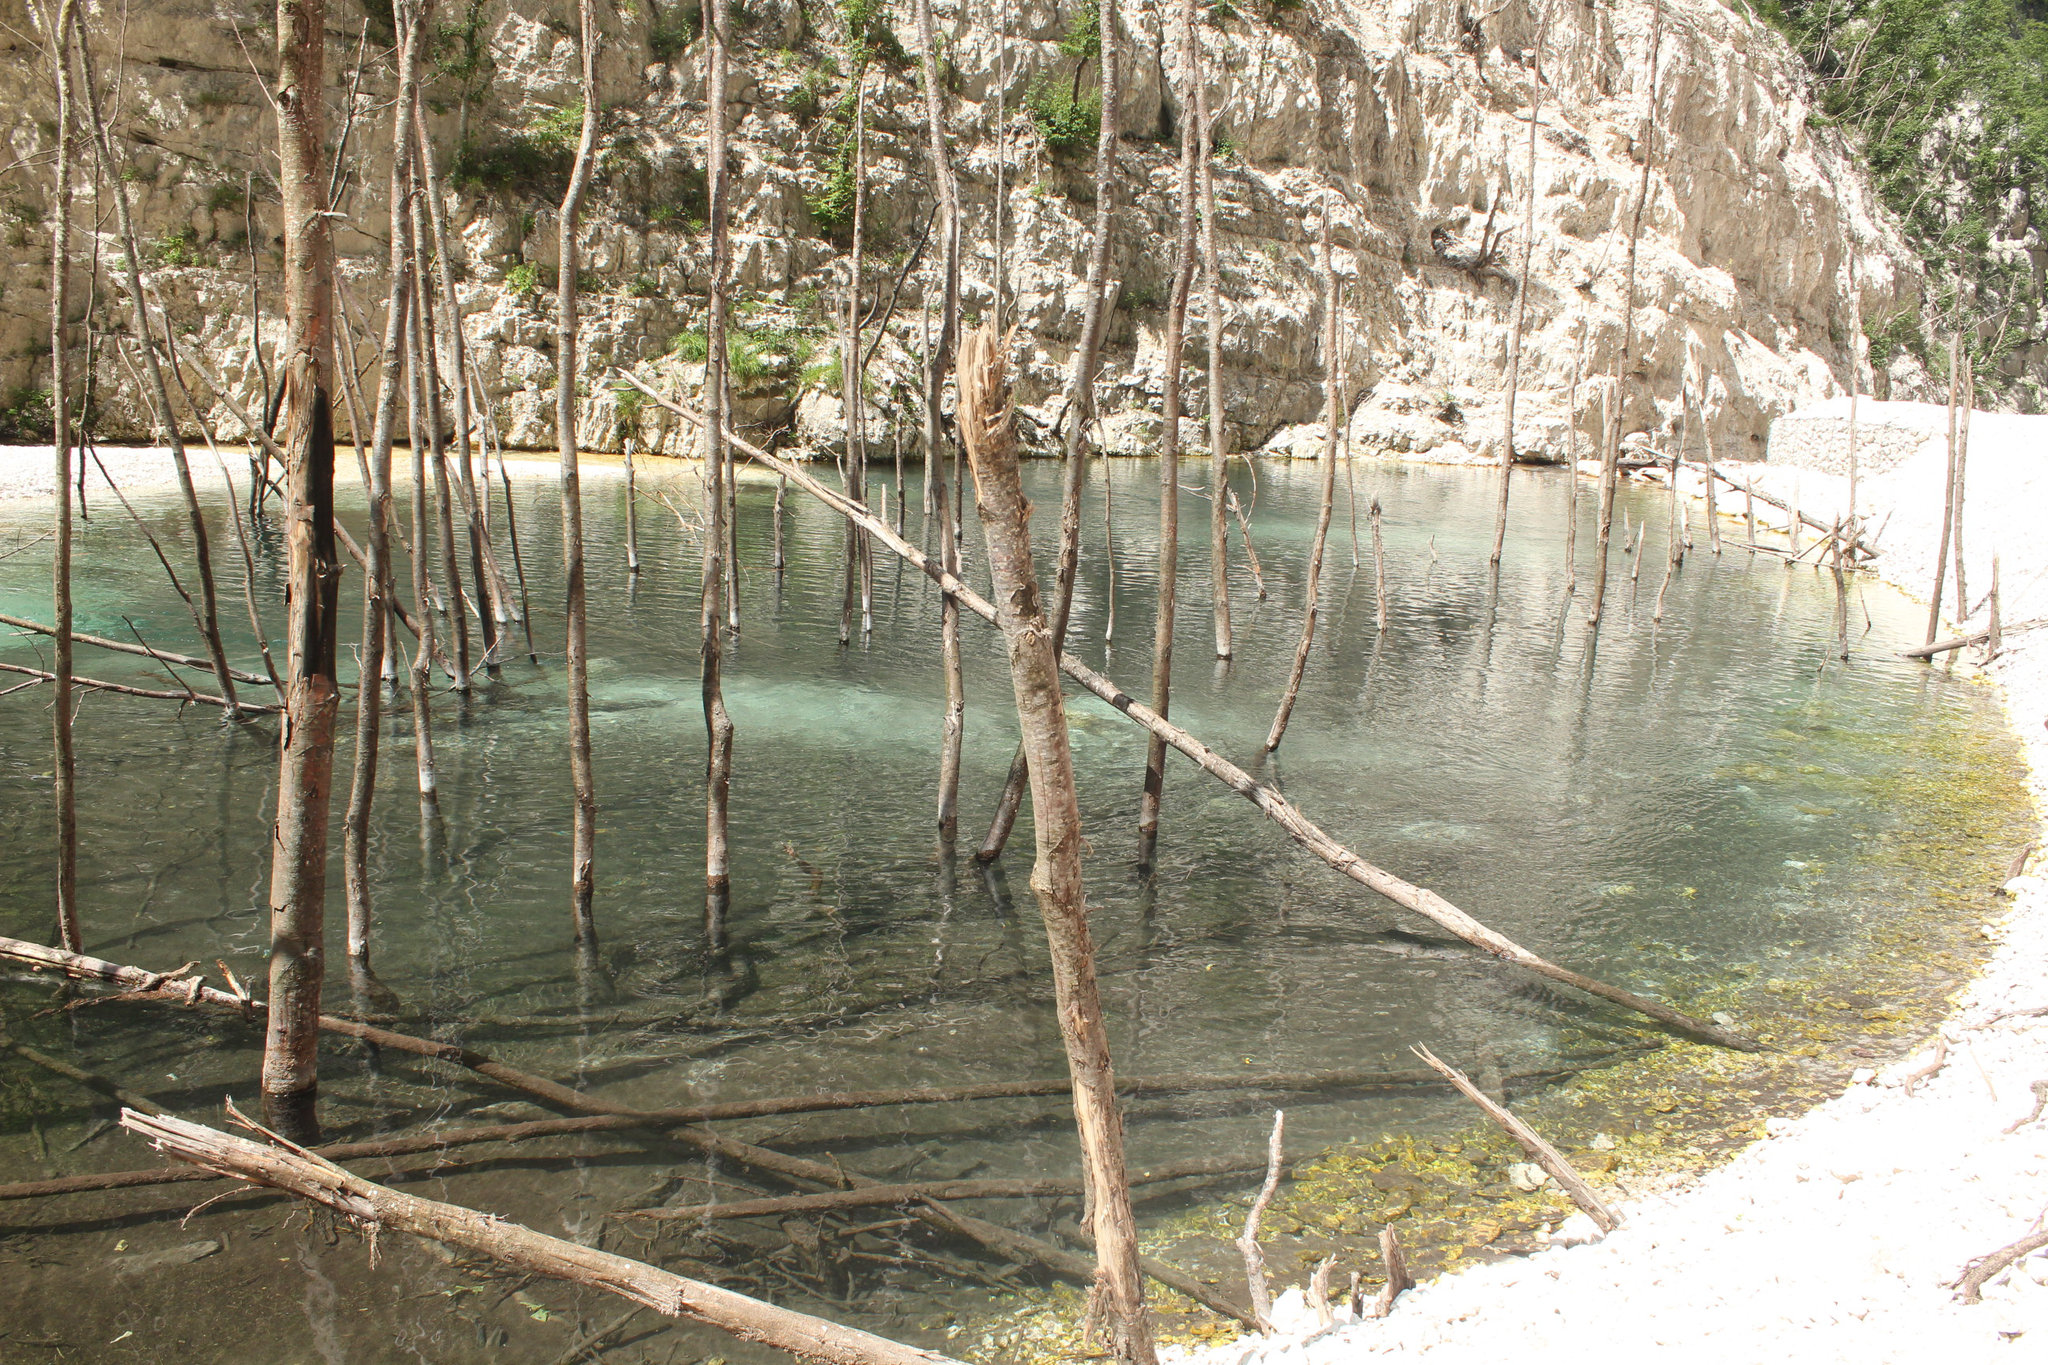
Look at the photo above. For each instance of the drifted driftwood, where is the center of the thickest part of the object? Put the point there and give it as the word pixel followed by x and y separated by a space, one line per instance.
pixel 1274 806
pixel 291 1168
pixel 1530 1141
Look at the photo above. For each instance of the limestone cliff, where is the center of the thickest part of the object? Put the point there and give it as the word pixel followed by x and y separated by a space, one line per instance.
pixel 1413 112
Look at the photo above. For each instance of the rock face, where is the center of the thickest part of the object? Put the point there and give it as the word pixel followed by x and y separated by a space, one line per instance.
pixel 1408 118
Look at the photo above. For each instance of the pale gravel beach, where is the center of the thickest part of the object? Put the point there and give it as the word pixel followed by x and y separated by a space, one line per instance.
pixel 1838 1237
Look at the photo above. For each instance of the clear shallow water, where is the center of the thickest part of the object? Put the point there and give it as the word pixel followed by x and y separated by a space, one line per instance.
pixel 1687 804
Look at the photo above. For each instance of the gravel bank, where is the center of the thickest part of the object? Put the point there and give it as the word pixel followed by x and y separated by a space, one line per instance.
pixel 1837 1238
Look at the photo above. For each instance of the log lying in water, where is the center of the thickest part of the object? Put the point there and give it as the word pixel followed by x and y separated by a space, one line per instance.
pixel 1276 807
pixel 123 647
pixel 876 1196
pixel 365 1202
pixel 154 694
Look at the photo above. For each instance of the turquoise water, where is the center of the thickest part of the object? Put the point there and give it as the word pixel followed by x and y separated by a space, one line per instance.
pixel 1670 806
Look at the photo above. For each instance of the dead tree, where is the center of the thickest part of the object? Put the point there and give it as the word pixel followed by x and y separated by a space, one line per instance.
pixel 1332 400
pixel 1514 379
pixel 420 671
pixel 1169 484
pixel 1080 397
pixel 66 769
pixel 987 428
pixel 286 1166
pixel 1962 480
pixel 1610 453
pixel 718 725
pixel 425 326
pixel 1948 505
pixel 298 869
pixel 1379 573
pixel 1571 448
pixel 854 466
pixel 1212 319
pixel 355 840
pixel 583 782
pixel 938 361
pixel 152 369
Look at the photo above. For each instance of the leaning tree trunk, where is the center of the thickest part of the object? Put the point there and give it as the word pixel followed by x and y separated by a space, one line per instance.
pixel 717 722
pixel 1610 454
pixel 355 839
pixel 1080 404
pixel 152 369
pixel 1332 382
pixel 1507 449
pixel 298 869
pixel 66 769
pixel 937 364
pixel 583 852
pixel 986 426
pixel 1169 486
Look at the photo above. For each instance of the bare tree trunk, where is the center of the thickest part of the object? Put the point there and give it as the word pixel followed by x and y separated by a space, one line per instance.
pixel 153 371
pixel 1169 483
pixel 1962 479
pixel 425 328
pixel 1674 548
pixel 1331 381
pixel 1212 320
pixel 1855 387
pixel 1610 454
pixel 66 764
pixel 1948 507
pixel 1571 501
pixel 1080 399
pixel 420 669
pixel 583 855
pixel 492 590
pixel 1379 572
pixel 718 725
pixel 1514 379
pixel 938 361
pixel 1713 477
pixel 985 420
pixel 298 869
pixel 377 572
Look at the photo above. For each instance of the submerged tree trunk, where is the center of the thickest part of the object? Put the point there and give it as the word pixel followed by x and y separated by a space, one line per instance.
pixel 1379 573
pixel 298 869
pixel 938 361
pixel 420 671
pixel 985 421
pixel 1610 453
pixel 583 783
pixel 1080 399
pixel 424 329
pixel 355 841
pixel 850 368
pixel 1169 485
pixel 1948 507
pixel 1571 503
pixel 1331 380
pixel 718 726
pixel 66 764
pixel 1507 451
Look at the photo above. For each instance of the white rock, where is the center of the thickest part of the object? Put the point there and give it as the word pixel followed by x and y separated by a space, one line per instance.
pixel 1527 1176
pixel 1577 1230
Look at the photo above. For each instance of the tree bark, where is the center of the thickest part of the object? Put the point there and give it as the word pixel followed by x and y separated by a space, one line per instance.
pixel 1514 379
pixel 298 870
pixel 368 1204
pixel 1332 382
pixel 986 426
pixel 426 328
pixel 377 584
pixel 718 725
pixel 1080 401
pixel 1610 455
pixel 938 362
pixel 1169 484
pixel 66 764
pixel 583 783
pixel 1212 320
pixel 1962 481
pixel 420 670
pixel 1379 573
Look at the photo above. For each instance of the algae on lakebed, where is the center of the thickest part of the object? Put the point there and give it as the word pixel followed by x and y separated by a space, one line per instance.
pixel 1925 893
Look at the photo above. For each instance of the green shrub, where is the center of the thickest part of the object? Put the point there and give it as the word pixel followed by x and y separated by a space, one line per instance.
pixel 1068 123
pixel 831 207
pixel 225 197
pixel 1083 37
pixel 671 30
pixel 543 151
pixel 522 279
pixel 27 417
pixel 176 248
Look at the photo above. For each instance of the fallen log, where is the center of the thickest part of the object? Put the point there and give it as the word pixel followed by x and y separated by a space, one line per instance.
pixel 154 694
pixel 1944 646
pixel 1980 1272
pixel 1857 546
pixel 123 647
pixel 1530 1141
pixel 375 1206
pixel 1276 807
pixel 942 1191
